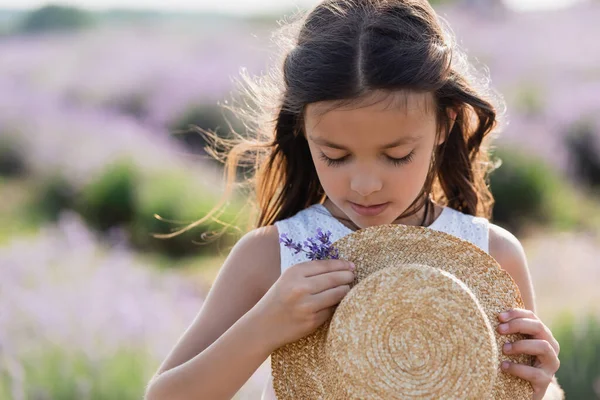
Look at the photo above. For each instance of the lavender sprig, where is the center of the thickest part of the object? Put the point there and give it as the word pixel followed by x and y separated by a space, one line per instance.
pixel 316 248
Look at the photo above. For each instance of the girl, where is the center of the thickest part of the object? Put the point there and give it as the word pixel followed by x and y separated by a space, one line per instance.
pixel 374 118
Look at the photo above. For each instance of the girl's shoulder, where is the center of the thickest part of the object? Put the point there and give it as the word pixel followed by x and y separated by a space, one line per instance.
pixel 255 258
pixel 508 251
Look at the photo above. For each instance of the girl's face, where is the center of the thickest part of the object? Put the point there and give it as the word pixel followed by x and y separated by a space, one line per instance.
pixel 374 155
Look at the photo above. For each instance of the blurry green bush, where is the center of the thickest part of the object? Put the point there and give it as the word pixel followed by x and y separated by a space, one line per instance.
pixel 127 198
pixel 52 195
pixel 55 18
pixel 73 375
pixel 208 117
pixel 12 157
pixel 579 372
pixel 583 145
pixel 523 187
pixel 109 200
pixel 529 193
pixel 180 202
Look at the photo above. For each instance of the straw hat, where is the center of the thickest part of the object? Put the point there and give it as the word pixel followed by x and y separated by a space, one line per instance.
pixel 419 323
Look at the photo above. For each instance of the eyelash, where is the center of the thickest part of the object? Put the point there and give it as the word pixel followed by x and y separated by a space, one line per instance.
pixel 395 161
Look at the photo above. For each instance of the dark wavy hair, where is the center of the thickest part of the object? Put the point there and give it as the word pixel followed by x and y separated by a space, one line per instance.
pixel 341 51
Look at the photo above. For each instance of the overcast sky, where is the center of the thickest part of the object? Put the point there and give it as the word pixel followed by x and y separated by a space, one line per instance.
pixel 235 6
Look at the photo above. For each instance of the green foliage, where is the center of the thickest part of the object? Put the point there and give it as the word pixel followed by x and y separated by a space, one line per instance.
pixel 58 373
pixel 53 195
pixel 12 158
pixel 123 196
pixel 523 188
pixel 24 220
pixel 55 18
pixel 206 117
pixel 189 129
pixel 579 373
pixel 528 192
pixel 583 145
pixel 179 202
pixel 109 200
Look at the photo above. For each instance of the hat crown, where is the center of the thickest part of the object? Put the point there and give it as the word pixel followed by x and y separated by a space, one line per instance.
pixel 396 332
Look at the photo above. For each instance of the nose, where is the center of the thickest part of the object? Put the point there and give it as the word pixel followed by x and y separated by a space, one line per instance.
pixel 365 184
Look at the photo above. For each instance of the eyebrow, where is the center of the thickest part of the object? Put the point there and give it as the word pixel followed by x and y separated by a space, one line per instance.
pixel 399 142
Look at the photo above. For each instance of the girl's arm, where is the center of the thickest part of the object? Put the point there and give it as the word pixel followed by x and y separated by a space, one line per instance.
pixel 509 253
pixel 227 342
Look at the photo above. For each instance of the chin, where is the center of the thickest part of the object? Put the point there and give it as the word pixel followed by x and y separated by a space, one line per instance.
pixel 366 221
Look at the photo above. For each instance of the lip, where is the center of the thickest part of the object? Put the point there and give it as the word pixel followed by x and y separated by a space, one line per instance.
pixel 369 211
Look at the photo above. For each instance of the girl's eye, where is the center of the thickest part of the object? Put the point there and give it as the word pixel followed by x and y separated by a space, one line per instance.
pixel 332 162
pixel 401 161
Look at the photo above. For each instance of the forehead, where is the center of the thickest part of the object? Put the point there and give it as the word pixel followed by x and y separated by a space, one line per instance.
pixel 376 112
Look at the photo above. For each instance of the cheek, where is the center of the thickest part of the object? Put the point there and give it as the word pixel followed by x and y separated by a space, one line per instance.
pixel 412 176
pixel 323 172
pixel 332 179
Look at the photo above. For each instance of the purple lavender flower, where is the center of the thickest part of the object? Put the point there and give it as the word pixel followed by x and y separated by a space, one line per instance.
pixel 316 248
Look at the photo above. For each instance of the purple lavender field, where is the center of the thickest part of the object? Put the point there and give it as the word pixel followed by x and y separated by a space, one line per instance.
pixel 89 311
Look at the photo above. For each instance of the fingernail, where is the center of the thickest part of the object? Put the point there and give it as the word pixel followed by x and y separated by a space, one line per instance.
pixel 352 266
pixel 507 346
pixel 503 327
pixel 505 365
pixel 504 315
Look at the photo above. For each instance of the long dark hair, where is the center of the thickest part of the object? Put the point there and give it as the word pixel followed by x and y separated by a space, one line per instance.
pixel 341 51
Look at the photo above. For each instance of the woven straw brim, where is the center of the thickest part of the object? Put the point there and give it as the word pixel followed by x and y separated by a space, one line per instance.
pixel 304 370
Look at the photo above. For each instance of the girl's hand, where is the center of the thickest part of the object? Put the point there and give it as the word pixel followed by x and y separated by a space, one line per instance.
pixel 303 298
pixel 542 345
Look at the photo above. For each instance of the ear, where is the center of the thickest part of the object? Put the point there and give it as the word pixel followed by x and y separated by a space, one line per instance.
pixel 452 117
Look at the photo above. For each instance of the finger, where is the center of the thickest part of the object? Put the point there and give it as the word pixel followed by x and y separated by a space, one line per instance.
pixel 535 347
pixel 328 280
pixel 511 314
pixel 514 313
pixel 537 376
pixel 328 298
pixel 528 326
pixel 323 315
pixel 312 268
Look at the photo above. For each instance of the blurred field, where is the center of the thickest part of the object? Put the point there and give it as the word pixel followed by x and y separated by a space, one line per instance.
pixel 90 303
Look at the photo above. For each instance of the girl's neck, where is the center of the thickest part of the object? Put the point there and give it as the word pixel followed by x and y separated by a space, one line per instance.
pixel 424 217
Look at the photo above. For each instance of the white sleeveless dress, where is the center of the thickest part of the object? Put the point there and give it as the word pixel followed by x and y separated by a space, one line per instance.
pixel 305 223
